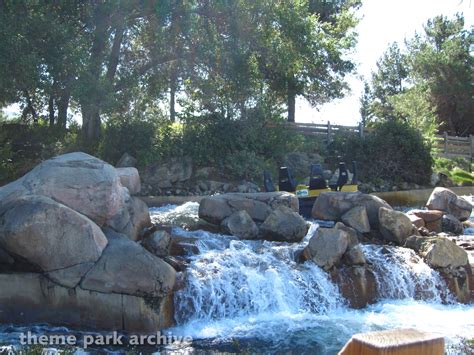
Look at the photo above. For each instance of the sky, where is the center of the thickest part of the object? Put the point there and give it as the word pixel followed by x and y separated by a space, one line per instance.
pixel 382 22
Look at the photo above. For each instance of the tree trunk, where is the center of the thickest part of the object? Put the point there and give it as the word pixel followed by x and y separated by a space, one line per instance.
pixel 90 126
pixel 172 102
pixel 51 110
pixel 291 101
pixel 63 104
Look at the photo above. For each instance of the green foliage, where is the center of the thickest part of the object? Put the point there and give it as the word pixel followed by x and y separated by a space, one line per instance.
pixel 129 135
pixel 429 84
pixel 394 152
pixel 455 170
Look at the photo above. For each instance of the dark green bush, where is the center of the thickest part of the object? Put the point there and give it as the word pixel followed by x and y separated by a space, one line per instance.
pixel 129 135
pixel 393 152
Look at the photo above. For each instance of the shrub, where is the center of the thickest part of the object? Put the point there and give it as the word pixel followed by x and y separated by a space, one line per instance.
pixel 394 152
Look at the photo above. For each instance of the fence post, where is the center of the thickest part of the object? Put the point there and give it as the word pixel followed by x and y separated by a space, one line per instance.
pixel 471 136
pixel 445 142
pixel 329 133
pixel 361 130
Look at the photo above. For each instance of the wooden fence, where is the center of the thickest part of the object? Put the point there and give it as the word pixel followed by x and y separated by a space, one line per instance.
pixel 454 147
pixel 446 146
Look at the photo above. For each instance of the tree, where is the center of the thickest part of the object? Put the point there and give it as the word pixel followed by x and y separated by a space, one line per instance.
pixel 365 100
pixel 388 80
pixel 441 59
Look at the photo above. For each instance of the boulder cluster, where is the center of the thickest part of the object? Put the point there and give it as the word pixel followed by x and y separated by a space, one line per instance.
pixel 68 250
pixel 271 216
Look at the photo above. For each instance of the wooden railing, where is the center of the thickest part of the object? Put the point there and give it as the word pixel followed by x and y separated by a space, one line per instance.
pixel 454 147
pixel 445 145
pixel 327 129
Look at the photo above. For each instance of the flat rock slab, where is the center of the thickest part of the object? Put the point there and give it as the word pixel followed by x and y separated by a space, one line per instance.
pixel 397 341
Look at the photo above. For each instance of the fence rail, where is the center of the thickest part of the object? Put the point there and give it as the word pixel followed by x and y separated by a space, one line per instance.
pixel 445 145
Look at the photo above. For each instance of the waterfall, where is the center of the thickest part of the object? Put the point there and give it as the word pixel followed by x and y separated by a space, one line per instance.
pixel 401 274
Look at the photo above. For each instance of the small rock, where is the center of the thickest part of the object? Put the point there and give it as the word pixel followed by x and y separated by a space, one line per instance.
pixel 416 221
pixel 241 225
pixel 357 218
pixel 445 200
pixel 158 243
pixel 326 247
pixel 395 226
pixel 451 224
pixel 284 225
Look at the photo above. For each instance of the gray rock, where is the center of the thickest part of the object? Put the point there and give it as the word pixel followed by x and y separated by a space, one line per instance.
pixel 241 225
pixel 445 200
pixel 351 233
pixel 284 225
pixel 126 161
pixel 79 181
pixel 326 247
pixel 395 226
pixel 158 243
pixel 333 205
pixel 164 174
pixel 357 218
pixel 214 209
pixel 27 298
pixel 70 276
pixel 438 252
pixel 451 224
pixel 48 234
pixel 132 218
pixel 130 179
pixel 126 267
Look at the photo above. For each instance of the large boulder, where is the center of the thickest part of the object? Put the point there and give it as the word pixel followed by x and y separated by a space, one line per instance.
pixel 49 235
pixel 158 243
pixel 333 205
pixel 80 181
pixel 27 298
pixel 445 200
pixel 128 268
pixel 438 252
pixel 395 226
pixel 326 247
pixel 284 225
pixel 214 209
pixel 241 225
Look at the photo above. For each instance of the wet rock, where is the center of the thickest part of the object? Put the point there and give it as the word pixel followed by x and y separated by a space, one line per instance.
pixel 326 247
pixel 460 282
pixel 451 224
pixel 352 234
pixel 284 225
pixel 43 301
pixel 395 226
pixel 130 179
pixel 357 218
pixel 333 205
pixel 357 285
pixel 445 200
pixel 355 256
pixel 158 243
pixel 214 209
pixel 438 252
pixel 49 235
pixel 241 225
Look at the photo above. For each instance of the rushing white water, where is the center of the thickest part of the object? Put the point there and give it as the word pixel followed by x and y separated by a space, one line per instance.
pixel 254 295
